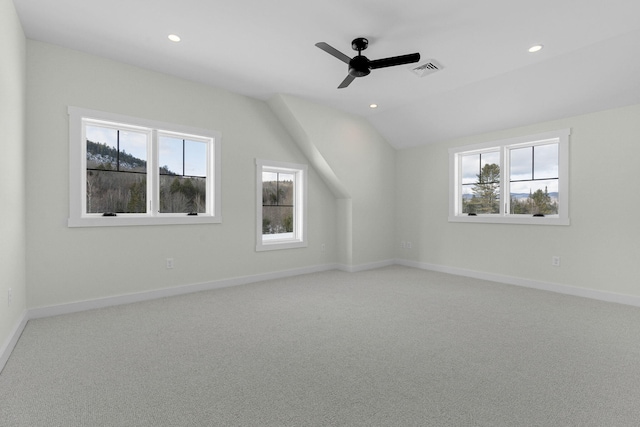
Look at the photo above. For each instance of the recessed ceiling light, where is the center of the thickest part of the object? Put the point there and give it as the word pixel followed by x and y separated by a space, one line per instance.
pixel 373 105
pixel 535 48
pixel 174 38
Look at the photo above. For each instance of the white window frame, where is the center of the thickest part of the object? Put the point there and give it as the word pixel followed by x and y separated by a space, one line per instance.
pixel 504 217
pixel 299 239
pixel 78 216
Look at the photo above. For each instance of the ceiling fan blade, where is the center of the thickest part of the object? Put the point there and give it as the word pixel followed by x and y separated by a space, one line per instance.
pixel 346 82
pixel 334 52
pixel 394 60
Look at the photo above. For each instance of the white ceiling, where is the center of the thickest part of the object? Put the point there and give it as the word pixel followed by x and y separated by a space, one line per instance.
pixel 489 80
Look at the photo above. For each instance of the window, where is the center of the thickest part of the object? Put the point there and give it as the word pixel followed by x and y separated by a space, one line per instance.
pixel 521 180
pixel 281 205
pixel 130 171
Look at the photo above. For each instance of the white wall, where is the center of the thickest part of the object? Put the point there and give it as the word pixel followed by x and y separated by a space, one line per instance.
pixel 12 194
pixel 359 166
pixel 362 186
pixel 600 250
pixel 76 264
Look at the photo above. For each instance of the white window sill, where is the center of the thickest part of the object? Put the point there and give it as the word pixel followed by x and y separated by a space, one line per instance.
pixel 511 219
pixel 128 220
pixel 270 244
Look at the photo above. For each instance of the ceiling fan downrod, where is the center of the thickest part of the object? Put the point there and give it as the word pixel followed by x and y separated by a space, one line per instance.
pixel 359 65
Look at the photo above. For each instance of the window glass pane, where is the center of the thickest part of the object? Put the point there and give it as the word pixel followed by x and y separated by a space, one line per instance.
pixel 545 161
pixel 118 192
pixel 183 175
pixel 285 184
pixel 534 180
pixel 132 151
pixel 179 194
pixel 491 158
pixel 481 183
pixel 102 146
pixel 483 197
pixel 534 197
pixel 170 156
pixel 278 204
pixel 116 170
pixel 470 168
pixel 195 158
pixel 467 196
pixel 520 164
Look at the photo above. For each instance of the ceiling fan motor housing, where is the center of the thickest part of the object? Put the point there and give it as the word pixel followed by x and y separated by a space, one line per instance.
pixel 359 66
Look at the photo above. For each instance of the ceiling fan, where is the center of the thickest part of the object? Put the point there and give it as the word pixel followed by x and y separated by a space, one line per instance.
pixel 359 65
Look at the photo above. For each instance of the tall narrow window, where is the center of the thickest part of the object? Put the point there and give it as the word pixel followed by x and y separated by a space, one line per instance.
pixel 278 190
pixel 281 200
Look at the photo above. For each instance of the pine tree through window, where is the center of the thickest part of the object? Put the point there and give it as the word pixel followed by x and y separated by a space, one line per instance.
pixel 481 183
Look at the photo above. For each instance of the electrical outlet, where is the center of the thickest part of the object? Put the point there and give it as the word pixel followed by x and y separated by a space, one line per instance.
pixel 555 261
pixel 403 244
pixel 9 297
pixel 408 245
pixel 322 248
pixel 169 262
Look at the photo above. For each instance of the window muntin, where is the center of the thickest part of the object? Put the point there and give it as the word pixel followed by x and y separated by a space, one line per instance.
pixel 115 178
pixel 281 205
pixel 532 171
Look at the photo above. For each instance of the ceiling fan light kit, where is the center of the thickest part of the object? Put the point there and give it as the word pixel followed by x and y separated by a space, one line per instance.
pixel 360 65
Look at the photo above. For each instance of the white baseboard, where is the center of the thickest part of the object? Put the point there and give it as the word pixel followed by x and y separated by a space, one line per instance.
pixel 73 307
pixel 528 283
pixel 12 340
pixel 363 267
pixel 55 310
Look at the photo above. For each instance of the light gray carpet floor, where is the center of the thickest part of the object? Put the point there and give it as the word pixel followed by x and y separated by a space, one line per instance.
pixel 388 347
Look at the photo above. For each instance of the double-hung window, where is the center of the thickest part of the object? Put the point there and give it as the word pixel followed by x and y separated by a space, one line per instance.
pixel 281 205
pixel 131 171
pixel 521 180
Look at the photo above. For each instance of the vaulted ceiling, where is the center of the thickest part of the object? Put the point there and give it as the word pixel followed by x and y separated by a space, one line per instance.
pixel 487 78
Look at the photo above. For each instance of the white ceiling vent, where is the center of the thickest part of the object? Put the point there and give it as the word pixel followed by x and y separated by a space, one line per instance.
pixel 426 68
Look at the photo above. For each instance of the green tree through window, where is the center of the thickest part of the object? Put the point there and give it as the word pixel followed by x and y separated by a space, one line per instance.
pixel 486 192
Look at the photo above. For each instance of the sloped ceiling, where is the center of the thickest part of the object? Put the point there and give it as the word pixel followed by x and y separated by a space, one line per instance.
pixel 488 81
